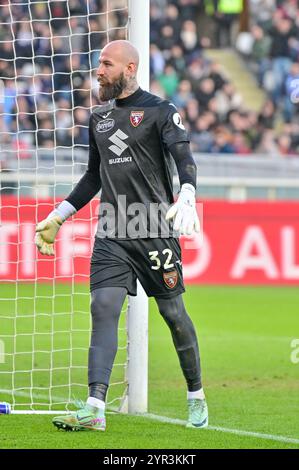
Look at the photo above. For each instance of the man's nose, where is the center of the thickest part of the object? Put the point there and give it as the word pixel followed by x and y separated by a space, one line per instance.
pixel 100 72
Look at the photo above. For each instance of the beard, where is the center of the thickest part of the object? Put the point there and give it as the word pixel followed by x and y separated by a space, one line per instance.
pixel 109 91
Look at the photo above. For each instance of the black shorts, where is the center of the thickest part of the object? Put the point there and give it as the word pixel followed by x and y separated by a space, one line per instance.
pixel 156 262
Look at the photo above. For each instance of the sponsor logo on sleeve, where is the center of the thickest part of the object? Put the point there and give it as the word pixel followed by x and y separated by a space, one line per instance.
pixel 105 125
pixel 136 117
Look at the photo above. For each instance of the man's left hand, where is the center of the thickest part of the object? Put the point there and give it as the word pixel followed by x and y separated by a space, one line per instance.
pixel 184 213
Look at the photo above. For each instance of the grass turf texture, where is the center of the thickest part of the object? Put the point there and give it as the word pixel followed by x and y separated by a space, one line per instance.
pixel 250 382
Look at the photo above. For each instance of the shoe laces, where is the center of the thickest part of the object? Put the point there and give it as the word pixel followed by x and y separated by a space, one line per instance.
pixel 195 404
pixel 81 407
pixel 79 403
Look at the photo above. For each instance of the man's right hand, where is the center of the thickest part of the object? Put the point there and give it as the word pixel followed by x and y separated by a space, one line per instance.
pixel 46 231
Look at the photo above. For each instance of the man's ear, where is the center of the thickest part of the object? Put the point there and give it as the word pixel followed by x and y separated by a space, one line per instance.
pixel 132 68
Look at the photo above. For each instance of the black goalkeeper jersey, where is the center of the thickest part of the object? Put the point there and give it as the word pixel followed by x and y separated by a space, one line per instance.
pixel 129 156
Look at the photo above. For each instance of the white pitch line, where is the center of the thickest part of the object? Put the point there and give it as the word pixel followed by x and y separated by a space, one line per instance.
pixel 238 432
pixel 40 396
pixel 181 422
pixel 55 399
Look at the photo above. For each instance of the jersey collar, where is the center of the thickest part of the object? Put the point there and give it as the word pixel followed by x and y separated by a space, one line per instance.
pixel 129 99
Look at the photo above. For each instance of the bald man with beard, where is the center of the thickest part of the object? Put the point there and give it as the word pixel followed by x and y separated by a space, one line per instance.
pixel 134 138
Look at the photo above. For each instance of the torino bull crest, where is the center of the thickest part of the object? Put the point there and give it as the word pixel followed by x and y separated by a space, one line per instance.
pixel 136 117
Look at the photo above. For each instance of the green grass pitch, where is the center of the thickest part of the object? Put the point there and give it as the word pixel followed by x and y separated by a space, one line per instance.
pixel 245 336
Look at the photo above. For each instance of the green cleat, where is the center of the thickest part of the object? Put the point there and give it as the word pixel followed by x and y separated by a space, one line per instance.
pixel 198 413
pixel 85 419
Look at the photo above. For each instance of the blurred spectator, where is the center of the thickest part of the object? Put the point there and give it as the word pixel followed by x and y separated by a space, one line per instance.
pixel 45 133
pixel 284 143
pixel 189 38
pixel 166 40
pixel 262 12
pixel 192 111
pixel 195 71
pixel 157 89
pixel 93 42
pixel 280 53
pixel 292 86
pixel 169 80
pixel 288 8
pixel 240 144
pixel 9 104
pixel 22 146
pixel 205 92
pixel 183 94
pixel 223 141
pixel 225 14
pixel 260 52
pixel 81 117
pixel 178 60
pixel 267 144
pixel 157 61
pixel 202 137
pixel 215 73
pixel 266 117
pixel 76 34
pixel 188 9
pixel 24 39
pixel 155 22
pixel 252 131
pixel 227 99
pixel 171 18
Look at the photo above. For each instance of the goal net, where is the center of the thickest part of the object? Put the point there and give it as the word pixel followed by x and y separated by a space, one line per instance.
pixel 49 54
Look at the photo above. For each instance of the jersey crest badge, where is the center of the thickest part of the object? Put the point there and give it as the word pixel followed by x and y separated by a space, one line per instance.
pixel 136 117
pixel 171 279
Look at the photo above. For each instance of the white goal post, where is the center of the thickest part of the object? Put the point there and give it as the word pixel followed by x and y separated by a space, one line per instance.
pixel 138 307
pixel 44 331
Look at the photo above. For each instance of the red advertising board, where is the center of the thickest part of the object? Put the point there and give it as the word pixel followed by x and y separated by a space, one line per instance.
pixel 242 243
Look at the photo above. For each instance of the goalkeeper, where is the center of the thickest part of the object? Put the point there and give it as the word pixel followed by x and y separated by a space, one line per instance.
pixel 133 139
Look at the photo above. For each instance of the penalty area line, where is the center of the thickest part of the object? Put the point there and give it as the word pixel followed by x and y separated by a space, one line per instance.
pixel 238 432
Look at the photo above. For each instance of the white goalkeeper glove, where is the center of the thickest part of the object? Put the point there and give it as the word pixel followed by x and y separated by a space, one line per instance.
pixel 184 211
pixel 47 229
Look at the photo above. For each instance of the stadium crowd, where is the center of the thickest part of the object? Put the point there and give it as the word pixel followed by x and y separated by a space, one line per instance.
pixel 49 52
pixel 214 111
pixel 48 56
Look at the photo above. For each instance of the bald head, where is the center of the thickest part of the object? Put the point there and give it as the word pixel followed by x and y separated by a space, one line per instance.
pixel 117 70
pixel 122 51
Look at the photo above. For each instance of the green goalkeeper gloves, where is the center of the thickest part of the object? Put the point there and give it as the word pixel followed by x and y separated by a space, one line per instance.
pixel 46 231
